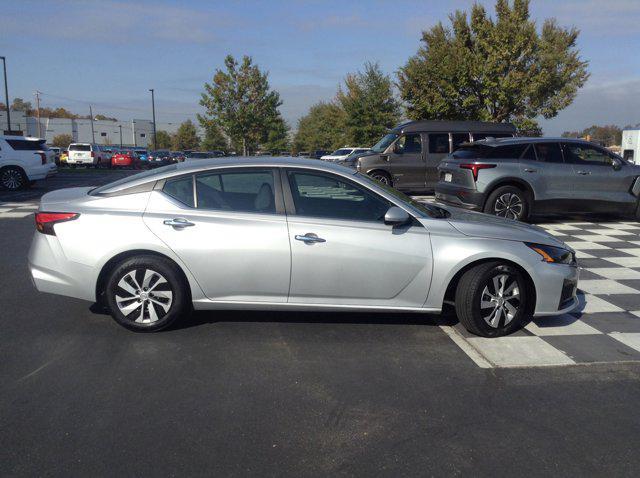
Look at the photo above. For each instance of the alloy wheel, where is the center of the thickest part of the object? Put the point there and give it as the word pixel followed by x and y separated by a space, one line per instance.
pixel 500 300
pixel 509 205
pixel 12 179
pixel 143 296
pixel 382 178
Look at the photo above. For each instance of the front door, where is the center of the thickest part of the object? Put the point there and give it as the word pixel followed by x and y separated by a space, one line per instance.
pixel 231 234
pixel 406 162
pixel 550 176
pixel 342 253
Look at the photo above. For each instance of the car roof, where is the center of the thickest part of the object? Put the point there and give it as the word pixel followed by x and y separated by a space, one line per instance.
pixel 494 142
pixel 215 163
pixel 454 127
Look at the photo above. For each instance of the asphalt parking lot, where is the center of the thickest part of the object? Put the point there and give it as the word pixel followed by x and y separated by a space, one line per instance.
pixel 272 394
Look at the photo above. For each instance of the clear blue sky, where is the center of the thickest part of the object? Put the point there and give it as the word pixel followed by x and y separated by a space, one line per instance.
pixel 110 53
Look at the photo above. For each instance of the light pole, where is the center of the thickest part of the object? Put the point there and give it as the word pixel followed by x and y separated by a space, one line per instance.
pixel 120 127
pixel 153 112
pixel 6 92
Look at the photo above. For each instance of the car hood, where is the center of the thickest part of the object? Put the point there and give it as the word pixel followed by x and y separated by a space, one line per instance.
pixel 476 224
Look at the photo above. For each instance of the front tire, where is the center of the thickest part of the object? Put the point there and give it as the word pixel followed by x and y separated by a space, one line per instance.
pixel 13 178
pixel 509 202
pixel 492 299
pixel 382 177
pixel 147 293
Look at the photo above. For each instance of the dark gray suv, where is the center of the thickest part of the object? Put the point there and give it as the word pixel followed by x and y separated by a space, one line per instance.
pixel 516 177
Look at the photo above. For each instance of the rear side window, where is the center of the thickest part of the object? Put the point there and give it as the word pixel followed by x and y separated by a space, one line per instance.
pixel 439 143
pixel 27 144
pixel 458 138
pixel 79 147
pixel 180 189
pixel 549 152
pixel 508 152
pixel 242 191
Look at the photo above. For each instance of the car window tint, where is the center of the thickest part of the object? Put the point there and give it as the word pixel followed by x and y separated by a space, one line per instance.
pixel 458 138
pixel 180 189
pixel 409 144
pixel 529 154
pixel 439 143
pixel 328 196
pixel 507 152
pixel 479 136
pixel 579 153
pixel 79 147
pixel 549 152
pixel 27 144
pixel 242 191
pixel 475 151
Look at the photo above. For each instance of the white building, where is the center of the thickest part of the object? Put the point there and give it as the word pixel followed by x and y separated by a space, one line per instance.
pixel 138 132
pixel 631 145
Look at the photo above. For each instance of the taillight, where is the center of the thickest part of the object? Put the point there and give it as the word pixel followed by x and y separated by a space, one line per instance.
pixel 474 168
pixel 93 155
pixel 43 157
pixel 46 220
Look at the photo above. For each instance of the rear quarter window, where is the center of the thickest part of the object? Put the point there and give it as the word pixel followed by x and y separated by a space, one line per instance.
pixel 27 144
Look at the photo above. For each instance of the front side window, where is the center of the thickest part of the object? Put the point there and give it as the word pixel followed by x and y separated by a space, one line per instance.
pixel 549 152
pixel 409 144
pixel 439 143
pixel 180 189
pixel 328 196
pixel 578 153
pixel 382 145
pixel 242 191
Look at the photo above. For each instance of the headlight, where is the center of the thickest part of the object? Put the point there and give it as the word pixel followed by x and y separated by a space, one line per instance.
pixel 554 255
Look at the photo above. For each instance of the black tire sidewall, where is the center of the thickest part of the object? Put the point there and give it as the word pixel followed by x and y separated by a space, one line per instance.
pixel 178 284
pixel 489 207
pixel 516 322
pixel 25 179
pixel 373 175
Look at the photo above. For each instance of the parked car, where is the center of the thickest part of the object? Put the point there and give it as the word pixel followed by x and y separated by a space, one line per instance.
pixel 407 157
pixel 64 155
pixel 517 177
pixel 197 155
pixel 56 151
pixel 125 159
pixel 142 153
pixel 87 154
pixel 319 153
pixel 342 154
pixel 159 155
pixel 24 160
pixel 177 156
pixel 290 234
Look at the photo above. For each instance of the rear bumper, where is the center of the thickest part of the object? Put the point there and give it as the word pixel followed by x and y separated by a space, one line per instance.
pixel 459 196
pixel 42 172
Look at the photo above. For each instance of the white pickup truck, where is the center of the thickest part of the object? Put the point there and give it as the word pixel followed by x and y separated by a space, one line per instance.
pixel 23 161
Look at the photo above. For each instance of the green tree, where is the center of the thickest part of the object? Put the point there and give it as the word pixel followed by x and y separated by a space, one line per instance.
pixel 186 137
pixel 241 101
pixel 277 135
pixel 20 105
pixel 163 140
pixel 323 127
pixel 493 69
pixel 607 135
pixel 214 139
pixel 62 140
pixel 370 106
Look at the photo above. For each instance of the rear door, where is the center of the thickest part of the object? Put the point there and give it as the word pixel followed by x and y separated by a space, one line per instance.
pixel 342 253
pixel 231 233
pixel 544 168
pixel 437 150
pixel 406 162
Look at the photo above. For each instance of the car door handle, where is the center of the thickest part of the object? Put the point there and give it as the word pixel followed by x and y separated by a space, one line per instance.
pixel 584 173
pixel 529 170
pixel 178 223
pixel 309 238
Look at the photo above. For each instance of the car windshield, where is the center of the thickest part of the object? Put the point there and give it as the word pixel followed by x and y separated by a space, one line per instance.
pixel 420 209
pixel 135 177
pixel 384 143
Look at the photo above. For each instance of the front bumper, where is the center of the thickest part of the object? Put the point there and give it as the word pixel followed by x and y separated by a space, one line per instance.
pixel 556 289
pixel 459 196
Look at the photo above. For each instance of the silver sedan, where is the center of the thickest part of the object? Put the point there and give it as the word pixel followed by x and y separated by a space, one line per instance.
pixel 277 233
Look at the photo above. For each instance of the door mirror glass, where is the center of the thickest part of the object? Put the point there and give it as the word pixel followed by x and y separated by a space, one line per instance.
pixel 398 147
pixel 396 216
pixel 617 165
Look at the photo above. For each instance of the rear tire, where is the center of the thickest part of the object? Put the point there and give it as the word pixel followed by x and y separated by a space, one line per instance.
pixel 509 202
pixel 382 177
pixel 13 178
pixel 147 293
pixel 492 299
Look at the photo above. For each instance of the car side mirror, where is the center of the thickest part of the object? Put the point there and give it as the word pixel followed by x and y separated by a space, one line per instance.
pixel 384 157
pixel 396 216
pixel 398 149
pixel 617 165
